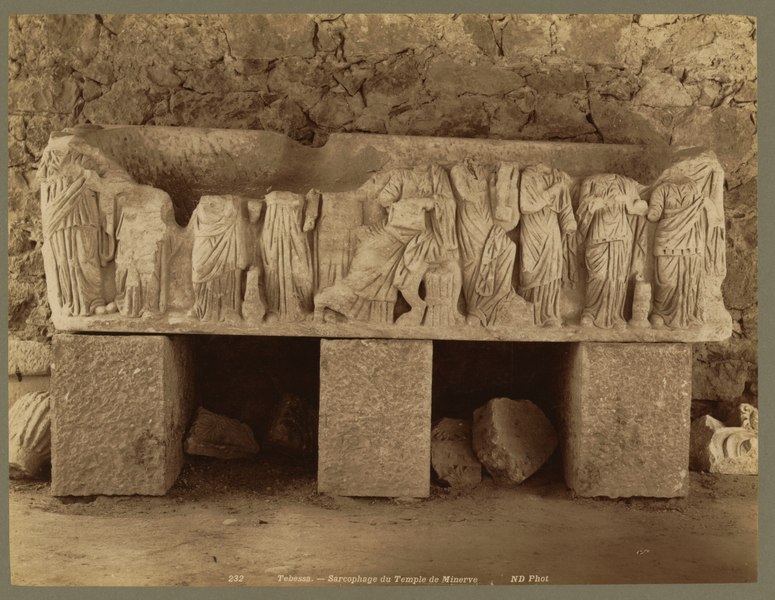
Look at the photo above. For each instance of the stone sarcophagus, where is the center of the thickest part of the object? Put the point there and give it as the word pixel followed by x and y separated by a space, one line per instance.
pixel 164 231
pixel 172 230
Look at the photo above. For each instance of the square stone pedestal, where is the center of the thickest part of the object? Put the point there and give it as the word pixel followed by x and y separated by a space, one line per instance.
pixel 375 417
pixel 626 419
pixel 120 405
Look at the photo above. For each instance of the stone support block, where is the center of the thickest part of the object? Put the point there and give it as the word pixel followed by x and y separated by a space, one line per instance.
pixel 120 406
pixel 626 416
pixel 375 417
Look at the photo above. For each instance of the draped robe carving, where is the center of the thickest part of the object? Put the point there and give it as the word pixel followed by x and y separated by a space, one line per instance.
pixel 610 224
pixel 395 254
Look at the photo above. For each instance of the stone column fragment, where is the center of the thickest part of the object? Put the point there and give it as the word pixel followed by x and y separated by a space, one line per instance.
pixel 626 416
pixel 29 435
pixel 375 417
pixel 120 406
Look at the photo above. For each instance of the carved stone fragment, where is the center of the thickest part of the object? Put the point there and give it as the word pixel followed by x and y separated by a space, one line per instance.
pixel 29 435
pixel 727 449
pixel 219 436
pixel 294 427
pixel 512 439
pixel 452 456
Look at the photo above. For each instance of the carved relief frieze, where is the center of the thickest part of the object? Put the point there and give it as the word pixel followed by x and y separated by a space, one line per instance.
pixel 468 246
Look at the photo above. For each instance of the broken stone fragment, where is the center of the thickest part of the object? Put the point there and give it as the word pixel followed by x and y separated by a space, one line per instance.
pixel 220 437
pixel 29 435
pixel 294 427
pixel 512 438
pixel 717 448
pixel 452 456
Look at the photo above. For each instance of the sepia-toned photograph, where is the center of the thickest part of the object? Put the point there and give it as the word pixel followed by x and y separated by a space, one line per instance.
pixel 382 299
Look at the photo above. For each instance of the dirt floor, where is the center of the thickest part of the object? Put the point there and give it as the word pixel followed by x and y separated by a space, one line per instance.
pixel 262 523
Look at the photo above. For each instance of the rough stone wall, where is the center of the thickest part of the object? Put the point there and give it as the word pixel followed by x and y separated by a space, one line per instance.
pixel 676 79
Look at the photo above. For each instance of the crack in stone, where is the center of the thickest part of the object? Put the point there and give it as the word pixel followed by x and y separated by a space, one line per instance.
pixel 100 20
pixel 315 38
pixel 590 119
pixel 498 37
pixel 553 49
pixel 226 39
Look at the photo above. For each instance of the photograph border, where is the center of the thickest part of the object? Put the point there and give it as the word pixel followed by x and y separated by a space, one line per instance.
pixel 763 10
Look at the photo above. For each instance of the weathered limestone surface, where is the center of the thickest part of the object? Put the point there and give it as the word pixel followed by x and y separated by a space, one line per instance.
pixel 576 78
pixel 27 357
pixel 29 435
pixel 452 455
pixel 120 406
pixel 220 437
pixel 512 439
pixel 626 420
pixel 375 418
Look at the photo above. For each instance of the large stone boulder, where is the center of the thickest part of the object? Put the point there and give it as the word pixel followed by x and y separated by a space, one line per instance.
pixel 29 435
pixel 220 437
pixel 512 439
pixel 452 456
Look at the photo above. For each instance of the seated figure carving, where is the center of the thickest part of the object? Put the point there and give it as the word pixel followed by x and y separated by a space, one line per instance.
pixel 395 255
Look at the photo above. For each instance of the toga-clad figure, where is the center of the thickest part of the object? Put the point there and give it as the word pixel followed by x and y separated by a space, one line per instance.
pixel 677 206
pixel 546 241
pixel 80 238
pixel 223 249
pixel 287 254
pixel 487 253
pixel 609 223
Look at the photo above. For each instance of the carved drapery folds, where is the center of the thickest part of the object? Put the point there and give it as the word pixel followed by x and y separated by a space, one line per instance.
pixel 612 231
pixel 464 245
pixel 547 246
pixel 80 235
